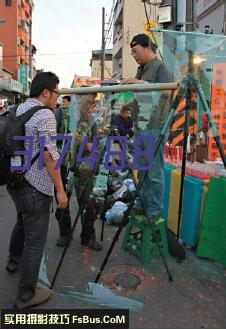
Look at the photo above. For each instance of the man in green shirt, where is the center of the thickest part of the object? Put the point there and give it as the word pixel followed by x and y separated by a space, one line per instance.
pixel 151 70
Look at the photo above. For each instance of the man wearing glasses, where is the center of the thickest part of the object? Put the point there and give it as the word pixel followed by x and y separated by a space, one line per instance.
pixel 151 70
pixel 33 197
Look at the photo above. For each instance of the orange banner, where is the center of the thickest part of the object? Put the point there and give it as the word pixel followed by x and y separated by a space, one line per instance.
pixel 81 81
pixel 218 107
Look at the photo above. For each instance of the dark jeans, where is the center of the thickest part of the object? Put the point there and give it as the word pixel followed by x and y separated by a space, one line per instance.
pixel 89 215
pixel 90 212
pixel 64 220
pixel 152 189
pixel 88 221
pixel 63 215
pixel 29 235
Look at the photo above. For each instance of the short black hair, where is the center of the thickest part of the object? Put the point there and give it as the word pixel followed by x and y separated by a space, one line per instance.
pixel 125 108
pixel 143 40
pixel 67 97
pixel 43 80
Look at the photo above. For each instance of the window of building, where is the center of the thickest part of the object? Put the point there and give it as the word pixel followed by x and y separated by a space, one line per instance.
pixel 8 3
pixel 207 2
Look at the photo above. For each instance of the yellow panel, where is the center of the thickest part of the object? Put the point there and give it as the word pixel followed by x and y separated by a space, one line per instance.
pixel 174 201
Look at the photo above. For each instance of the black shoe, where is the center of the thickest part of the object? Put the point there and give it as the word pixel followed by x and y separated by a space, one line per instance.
pixel 63 241
pixel 41 295
pixel 93 244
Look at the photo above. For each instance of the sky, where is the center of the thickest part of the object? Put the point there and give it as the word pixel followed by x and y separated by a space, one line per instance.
pixel 65 32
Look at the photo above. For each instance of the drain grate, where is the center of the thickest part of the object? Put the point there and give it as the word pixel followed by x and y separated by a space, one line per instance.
pixel 127 280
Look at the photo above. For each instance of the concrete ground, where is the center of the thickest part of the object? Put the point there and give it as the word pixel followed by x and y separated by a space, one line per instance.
pixel 195 299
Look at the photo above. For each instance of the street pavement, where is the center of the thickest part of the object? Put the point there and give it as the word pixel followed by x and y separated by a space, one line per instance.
pixel 195 299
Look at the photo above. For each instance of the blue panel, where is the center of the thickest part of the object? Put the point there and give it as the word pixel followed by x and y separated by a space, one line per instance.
pixel 192 200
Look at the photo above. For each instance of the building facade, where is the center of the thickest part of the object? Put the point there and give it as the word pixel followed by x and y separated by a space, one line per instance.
pixel 16 39
pixel 211 16
pixel 129 20
pixel 95 64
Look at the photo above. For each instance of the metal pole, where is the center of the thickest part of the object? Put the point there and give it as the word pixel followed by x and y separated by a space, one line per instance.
pixel 189 27
pixel 188 107
pixel 103 44
pixel 120 88
pixel 184 159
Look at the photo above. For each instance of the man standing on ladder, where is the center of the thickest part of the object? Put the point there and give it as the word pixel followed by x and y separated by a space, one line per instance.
pixel 151 70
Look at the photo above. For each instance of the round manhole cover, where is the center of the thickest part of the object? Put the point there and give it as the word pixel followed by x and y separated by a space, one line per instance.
pixel 127 280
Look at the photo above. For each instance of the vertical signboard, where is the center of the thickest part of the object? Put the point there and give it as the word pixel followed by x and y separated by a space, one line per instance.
pixel 1 61
pixel 218 107
pixel 23 76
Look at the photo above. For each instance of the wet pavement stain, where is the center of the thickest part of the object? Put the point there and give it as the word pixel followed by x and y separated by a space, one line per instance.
pixel 145 280
pixel 127 280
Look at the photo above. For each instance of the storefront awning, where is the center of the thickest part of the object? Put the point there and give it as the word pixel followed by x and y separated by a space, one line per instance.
pixel 11 85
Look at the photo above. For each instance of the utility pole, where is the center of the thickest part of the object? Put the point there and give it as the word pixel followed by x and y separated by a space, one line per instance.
pixel 103 44
pixel 190 15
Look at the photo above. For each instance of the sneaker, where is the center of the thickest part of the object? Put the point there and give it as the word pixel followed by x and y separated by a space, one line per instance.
pixel 63 241
pixel 12 266
pixel 41 295
pixel 93 244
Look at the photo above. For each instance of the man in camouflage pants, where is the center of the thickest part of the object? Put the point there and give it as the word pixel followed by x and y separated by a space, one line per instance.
pixel 80 174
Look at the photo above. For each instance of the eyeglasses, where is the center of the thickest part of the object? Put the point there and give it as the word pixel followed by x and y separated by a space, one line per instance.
pixel 136 50
pixel 57 93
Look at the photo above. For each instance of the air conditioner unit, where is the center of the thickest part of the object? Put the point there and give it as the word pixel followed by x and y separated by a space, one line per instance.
pixel 165 14
pixel 153 2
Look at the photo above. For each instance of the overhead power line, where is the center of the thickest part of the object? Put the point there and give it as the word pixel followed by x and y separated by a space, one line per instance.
pixel 48 54
pixel 46 58
pixel 67 25
pixel 108 33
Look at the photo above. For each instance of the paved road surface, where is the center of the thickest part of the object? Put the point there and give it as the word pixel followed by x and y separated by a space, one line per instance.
pixel 195 299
